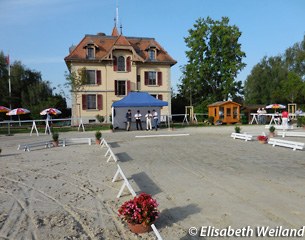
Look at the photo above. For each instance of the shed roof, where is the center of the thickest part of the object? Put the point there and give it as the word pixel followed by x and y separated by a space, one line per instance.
pixel 220 103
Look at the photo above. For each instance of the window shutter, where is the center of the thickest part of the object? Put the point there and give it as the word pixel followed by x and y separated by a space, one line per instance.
pixel 84 101
pixel 116 87
pixel 98 77
pixel 128 86
pixel 146 78
pixel 115 64
pixel 128 64
pixel 160 96
pixel 99 102
pixel 160 78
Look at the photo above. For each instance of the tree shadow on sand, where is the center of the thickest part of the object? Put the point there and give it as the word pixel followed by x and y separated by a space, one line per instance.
pixel 123 157
pixel 173 215
pixel 145 183
pixel 168 217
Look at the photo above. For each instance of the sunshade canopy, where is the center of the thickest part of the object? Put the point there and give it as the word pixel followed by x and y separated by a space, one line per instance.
pixel 52 111
pixel 275 106
pixel 4 109
pixel 139 99
pixel 18 111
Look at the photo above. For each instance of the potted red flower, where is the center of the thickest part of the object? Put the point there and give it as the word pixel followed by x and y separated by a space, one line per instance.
pixel 139 213
pixel 262 139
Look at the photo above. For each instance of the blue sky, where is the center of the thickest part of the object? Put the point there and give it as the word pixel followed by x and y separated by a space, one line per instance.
pixel 40 32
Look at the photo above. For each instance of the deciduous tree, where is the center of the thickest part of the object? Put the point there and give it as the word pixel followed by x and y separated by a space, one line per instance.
pixel 214 60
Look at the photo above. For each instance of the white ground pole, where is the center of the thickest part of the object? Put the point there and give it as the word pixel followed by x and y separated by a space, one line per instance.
pixel 163 135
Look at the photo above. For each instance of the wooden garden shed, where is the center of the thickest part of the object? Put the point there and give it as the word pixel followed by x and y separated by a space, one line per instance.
pixel 225 111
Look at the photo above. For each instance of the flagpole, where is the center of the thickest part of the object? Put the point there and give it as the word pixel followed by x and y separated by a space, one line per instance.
pixel 9 84
pixel 9 92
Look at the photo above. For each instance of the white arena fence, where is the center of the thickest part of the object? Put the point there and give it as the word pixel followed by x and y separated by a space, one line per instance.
pixel 120 174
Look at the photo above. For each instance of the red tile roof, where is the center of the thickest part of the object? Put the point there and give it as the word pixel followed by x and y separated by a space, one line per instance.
pixel 106 44
pixel 115 32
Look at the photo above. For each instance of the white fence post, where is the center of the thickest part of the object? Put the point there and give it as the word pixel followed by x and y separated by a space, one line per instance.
pixel 125 183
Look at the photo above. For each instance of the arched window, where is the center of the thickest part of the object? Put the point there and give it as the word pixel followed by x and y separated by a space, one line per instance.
pixel 121 63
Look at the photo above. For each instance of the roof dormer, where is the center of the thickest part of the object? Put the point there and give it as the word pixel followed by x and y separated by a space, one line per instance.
pixel 91 49
pixel 152 51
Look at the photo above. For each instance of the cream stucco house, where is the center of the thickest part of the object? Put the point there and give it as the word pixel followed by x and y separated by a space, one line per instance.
pixel 115 65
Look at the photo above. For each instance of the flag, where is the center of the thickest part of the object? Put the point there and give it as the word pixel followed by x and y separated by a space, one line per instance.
pixel 7 59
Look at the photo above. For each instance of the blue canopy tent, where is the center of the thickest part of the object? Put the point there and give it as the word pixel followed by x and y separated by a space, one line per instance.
pixel 134 101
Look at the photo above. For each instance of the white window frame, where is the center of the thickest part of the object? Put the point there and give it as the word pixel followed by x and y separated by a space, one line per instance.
pixel 90 97
pixel 88 78
pixel 118 87
pixel 151 79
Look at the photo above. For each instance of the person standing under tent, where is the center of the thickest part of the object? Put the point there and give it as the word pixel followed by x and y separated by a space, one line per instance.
pixel 155 117
pixel 128 119
pixel 148 117
pixel 138 116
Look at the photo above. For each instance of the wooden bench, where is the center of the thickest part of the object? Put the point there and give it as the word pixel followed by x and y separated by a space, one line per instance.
pixel 291 134
pixel 285 143
pixel 28 146
pixel 71 141
pixel 244 136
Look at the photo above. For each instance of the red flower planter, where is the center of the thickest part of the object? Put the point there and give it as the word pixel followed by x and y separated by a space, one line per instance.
pixel 139 228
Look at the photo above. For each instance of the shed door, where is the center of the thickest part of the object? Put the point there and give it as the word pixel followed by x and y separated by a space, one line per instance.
pixel 228 115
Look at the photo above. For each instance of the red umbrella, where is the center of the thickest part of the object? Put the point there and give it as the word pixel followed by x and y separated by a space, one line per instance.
pixel 4 109
pixel 52 111
pixel 18 111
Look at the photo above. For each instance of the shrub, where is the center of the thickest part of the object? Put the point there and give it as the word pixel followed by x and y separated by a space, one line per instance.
pixel 272 129
pixel 55 136
pixel 237 129
pixel 100 118
pixel 98 135
pixel 211 119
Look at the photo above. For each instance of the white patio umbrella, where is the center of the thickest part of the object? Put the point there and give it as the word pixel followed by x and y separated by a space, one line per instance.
pixel 18 111
pixel 52 111
pixel 4 109
pixel 276 106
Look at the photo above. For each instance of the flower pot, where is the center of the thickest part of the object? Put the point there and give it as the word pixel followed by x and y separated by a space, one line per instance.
pixel 98 141
pixel 139 228
pixel 55 143
pixel 263 142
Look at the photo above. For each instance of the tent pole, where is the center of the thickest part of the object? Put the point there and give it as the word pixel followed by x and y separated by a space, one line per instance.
pixel 112 114
pixel 168 122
